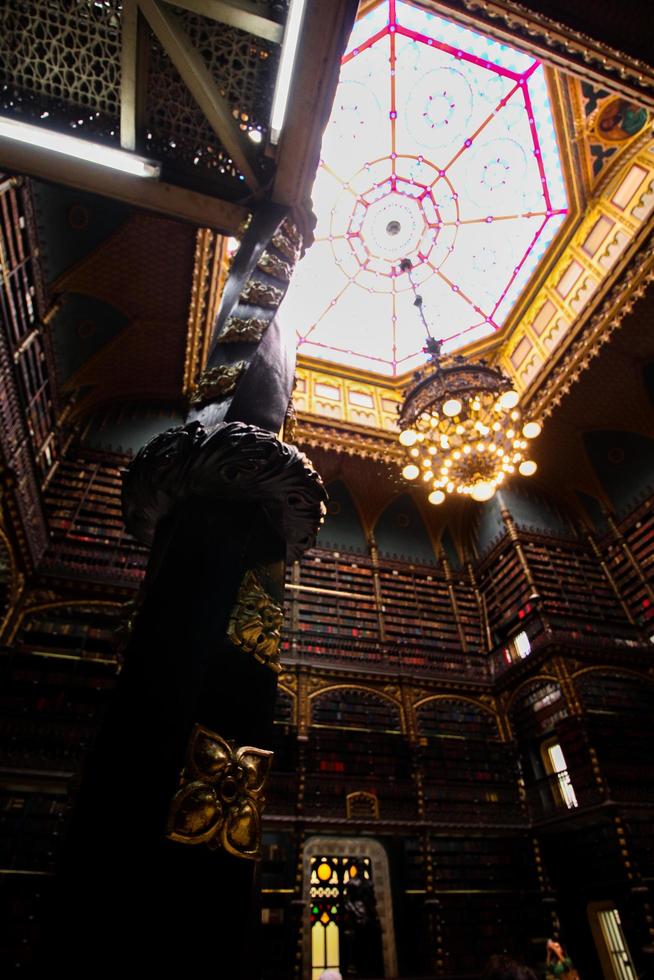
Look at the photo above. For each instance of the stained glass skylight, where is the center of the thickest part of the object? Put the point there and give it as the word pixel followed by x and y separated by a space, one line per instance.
pixel 441 149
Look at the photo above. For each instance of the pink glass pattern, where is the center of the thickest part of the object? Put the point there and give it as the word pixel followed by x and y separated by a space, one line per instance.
pixel 440 148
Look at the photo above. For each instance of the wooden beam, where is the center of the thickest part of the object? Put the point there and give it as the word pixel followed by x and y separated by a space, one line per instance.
pixel 133 76
pixel 200 83
pixel 236 13
pixel 152 195
pixel 325 32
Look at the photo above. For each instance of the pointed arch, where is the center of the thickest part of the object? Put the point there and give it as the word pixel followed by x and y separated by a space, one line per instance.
pixel 401 533
pixel 353 847
pixel 534 510
pixel 344 529
pixel 536 706
pixel 624 465
pixel 285 706
pixel 441 711
pixel 345 704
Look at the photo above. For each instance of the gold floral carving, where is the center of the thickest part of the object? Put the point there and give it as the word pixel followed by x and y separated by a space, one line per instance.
pixel 261 294
pixel 240 328
pixel 219 801
pixel 288 241
pixel 275 267
pixel 217 382
pixel 256 622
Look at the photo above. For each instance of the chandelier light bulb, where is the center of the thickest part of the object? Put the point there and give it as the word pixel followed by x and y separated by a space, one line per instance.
pixel 415 453
pixel 531 430
pixel 509 399
pixel 436 497
pixel 452 407
pixel 410 472
pixel 408 437
pixel 482 490
pixel 527 468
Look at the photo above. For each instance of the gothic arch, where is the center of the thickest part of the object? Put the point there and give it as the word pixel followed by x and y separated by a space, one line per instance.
pixel 381 695
pixel 539 728
pixel 344 528
pixel 354 687
pixel 401 532
pixel 27 611
pixel 284 693
pixel 530 680
pixel 613 672
pixel 353 847
pixel 430 699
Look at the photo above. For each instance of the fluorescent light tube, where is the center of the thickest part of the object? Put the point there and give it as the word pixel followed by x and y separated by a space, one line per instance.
pixel 73 146
pixel 286 62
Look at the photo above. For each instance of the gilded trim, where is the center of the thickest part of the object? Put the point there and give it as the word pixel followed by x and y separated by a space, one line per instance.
pixel 220 797
pixel 255 624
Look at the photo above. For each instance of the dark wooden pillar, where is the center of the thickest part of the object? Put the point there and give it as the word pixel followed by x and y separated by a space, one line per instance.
pixel 160 868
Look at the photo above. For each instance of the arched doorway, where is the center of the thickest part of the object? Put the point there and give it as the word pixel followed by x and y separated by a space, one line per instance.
pixel 339 855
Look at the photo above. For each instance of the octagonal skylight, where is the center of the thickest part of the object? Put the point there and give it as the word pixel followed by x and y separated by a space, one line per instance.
pixel 441 149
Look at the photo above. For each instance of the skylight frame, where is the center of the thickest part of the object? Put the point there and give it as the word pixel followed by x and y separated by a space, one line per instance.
pixel 520 70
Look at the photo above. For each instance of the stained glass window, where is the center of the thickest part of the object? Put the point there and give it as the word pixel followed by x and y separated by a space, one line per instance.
pixel 441 149
pixel 330 877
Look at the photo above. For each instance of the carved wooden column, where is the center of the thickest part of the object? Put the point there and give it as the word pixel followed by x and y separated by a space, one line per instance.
pixel 160 867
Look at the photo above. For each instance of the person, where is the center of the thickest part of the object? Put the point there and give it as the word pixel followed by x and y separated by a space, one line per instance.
pixel 557 964
pixel 505 968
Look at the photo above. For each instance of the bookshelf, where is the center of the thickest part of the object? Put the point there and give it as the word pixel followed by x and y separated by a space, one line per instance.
pixel 469 775
pixel 83 503
pixel 629 548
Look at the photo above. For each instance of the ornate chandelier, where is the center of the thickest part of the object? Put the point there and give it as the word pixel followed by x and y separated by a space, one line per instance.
pixel 461 426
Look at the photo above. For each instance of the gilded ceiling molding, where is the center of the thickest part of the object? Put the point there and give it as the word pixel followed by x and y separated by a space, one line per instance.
pixel 615 226
pixel 359 398
pixel 616 306
pixel 349 440
pixel 556 44
pixel 604 141
pixel 210 269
